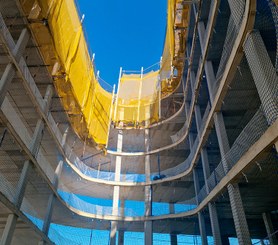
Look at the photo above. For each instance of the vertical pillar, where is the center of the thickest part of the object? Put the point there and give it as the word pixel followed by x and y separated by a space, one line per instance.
pixel 233 189
pixel 51 199
pixel 116 194
pixel 269 229
pixel 201 219
pixel 121 233
pixel 206 172
pixel 264 74
pixel 262 242
pixel 22 183
pixel 5 81
pixel 173 239
pixel 225 240
pixel 173 236
pixel 7 235
pixel 148 226
pixel 21 44
pixel 49 210
pixel 121 236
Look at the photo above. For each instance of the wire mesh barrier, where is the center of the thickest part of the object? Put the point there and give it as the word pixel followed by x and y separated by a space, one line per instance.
pixel 237 10
pixel 274 11
pixel 137 102
pixel 74 161
pixel 249 135
pixel 265 77
pixel 103 208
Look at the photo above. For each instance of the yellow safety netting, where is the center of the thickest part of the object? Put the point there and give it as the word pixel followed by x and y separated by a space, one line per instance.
pixel 138 100
pixel 58 31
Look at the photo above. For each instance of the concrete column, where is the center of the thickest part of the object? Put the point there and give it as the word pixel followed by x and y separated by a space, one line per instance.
pixel 49 210
pixel 7 235
pixel 224 146
pixel 201 220
pixel 121 233
pixel 173 235
pixel 21 44
pixel 6 80
pixel 262 242
pixel 264 74
pixel 225 240
pixel 269 229
pixel 22 183
pixel 148 226
pixel 205 164
pixel 206 172
pixel 240 221
pixel 116 194
pixel 51 199
pixel 173 239
pixel 121 236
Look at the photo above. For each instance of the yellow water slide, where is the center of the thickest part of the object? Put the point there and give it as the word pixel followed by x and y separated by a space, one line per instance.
pixel 58 31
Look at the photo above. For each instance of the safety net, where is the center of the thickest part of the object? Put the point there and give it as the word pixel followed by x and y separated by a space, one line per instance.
pixel 57 27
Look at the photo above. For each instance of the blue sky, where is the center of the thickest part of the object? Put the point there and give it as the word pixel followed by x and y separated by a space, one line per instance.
pixel 124 33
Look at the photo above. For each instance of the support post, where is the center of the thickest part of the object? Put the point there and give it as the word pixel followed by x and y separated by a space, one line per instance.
pixel 206 172
pixel 233 189
pixel 7 235
pixel 21 44
pixel 240 221
pixel 117 95
pixel 225 240
pixel 148 226
pixel 269 229
pixel 201 219
pixel 22 183
pixel 173 239
pixel 116 194
pixel 51 199
pixel 139 97
pixel 173 236
pixel 6 80
pixel 121 233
